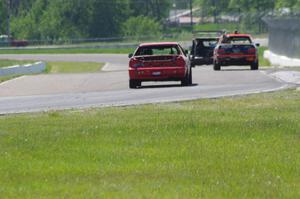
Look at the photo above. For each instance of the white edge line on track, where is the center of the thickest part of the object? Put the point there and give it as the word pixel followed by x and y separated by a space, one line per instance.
pixel 104 68
pixel 272 77
pixel 8 81
pixel 277 78
pixel 91 106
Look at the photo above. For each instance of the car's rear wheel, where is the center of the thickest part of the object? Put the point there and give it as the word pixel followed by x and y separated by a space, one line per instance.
pixel 187 80
pixel 217 66
pixel 191 77
pixel 254 66
pixel 134 83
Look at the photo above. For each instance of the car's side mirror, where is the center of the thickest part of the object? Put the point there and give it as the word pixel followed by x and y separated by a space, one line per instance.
pixel 186 51
pixel 130 55
pixel 257 45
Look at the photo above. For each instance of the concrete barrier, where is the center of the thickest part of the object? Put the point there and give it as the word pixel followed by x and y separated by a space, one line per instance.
pixel 284 35
pixel 280 60
pixel 35 68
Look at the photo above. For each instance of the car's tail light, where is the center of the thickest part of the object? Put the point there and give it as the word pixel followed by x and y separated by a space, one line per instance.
pixel 251 50
pixel 135 63
pixel 221 51
pixel 180 61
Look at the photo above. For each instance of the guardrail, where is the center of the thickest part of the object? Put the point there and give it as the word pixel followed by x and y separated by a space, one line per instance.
pixel 280 60
pixel 34 68
pixel 284 35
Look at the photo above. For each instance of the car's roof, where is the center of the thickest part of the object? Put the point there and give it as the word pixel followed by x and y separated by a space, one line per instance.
pixel 237 35
pixel 206 38
pixel 159 44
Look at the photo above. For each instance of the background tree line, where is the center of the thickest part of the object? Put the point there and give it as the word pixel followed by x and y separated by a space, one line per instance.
pixel 216 6
pixel 250 12
pixel 55 19
pixel 61 19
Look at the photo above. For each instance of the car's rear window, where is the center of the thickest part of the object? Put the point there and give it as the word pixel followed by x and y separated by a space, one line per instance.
pixel 236 40
pixel 158 50
pixel 206 43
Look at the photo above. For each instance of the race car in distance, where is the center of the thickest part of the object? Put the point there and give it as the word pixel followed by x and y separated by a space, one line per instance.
pixel 202 50
pixel 236 49
pixel 163 61
pixel 6 41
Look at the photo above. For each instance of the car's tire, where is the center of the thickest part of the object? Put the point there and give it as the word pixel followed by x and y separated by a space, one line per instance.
pixel 191 77
pixel 217 66
pixel 186 80
pixel 134 83
pixel 254 66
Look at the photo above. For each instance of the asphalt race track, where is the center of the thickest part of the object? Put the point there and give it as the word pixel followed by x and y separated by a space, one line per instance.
pixel 110 87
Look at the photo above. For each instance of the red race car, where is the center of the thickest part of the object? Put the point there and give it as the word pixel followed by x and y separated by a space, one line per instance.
pixel 236 49
pixel 164 61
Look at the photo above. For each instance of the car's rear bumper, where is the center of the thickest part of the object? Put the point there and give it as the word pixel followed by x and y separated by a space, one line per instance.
pixel 236 60
pixel 157 73
pixel 201 61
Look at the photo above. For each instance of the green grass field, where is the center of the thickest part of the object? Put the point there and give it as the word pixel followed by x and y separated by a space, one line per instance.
pixel 56 67
pixel 240 147
pixel 60 67
pixel 6 78
pixel 5 63
pixel 262 60
pixel 73 67
pixel 230 27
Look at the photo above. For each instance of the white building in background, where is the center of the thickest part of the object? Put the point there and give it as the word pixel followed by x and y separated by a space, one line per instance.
pixel 182 17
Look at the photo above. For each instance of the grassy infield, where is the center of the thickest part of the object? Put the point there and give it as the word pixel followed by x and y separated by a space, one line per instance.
pixel 243 147
pixel 56 67
pixel 59 67
pixel 72 67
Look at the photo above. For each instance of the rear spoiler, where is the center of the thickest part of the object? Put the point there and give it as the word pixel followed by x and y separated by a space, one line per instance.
pixel 208 33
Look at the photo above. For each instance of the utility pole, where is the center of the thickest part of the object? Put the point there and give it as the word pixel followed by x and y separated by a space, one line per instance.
pixel 214 4
pixel 191 10
pixel 8 7
pixel 175 9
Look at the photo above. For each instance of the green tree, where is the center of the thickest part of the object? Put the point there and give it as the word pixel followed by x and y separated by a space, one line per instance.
pixel 60 19
pixel 286 3
pixel 213 7
pixel 106 17
pixel 27 23
pixel 140 27
pixel 3 14
pixel 158 9
pixel 251 13
pixel 63 19
pixel 297 6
